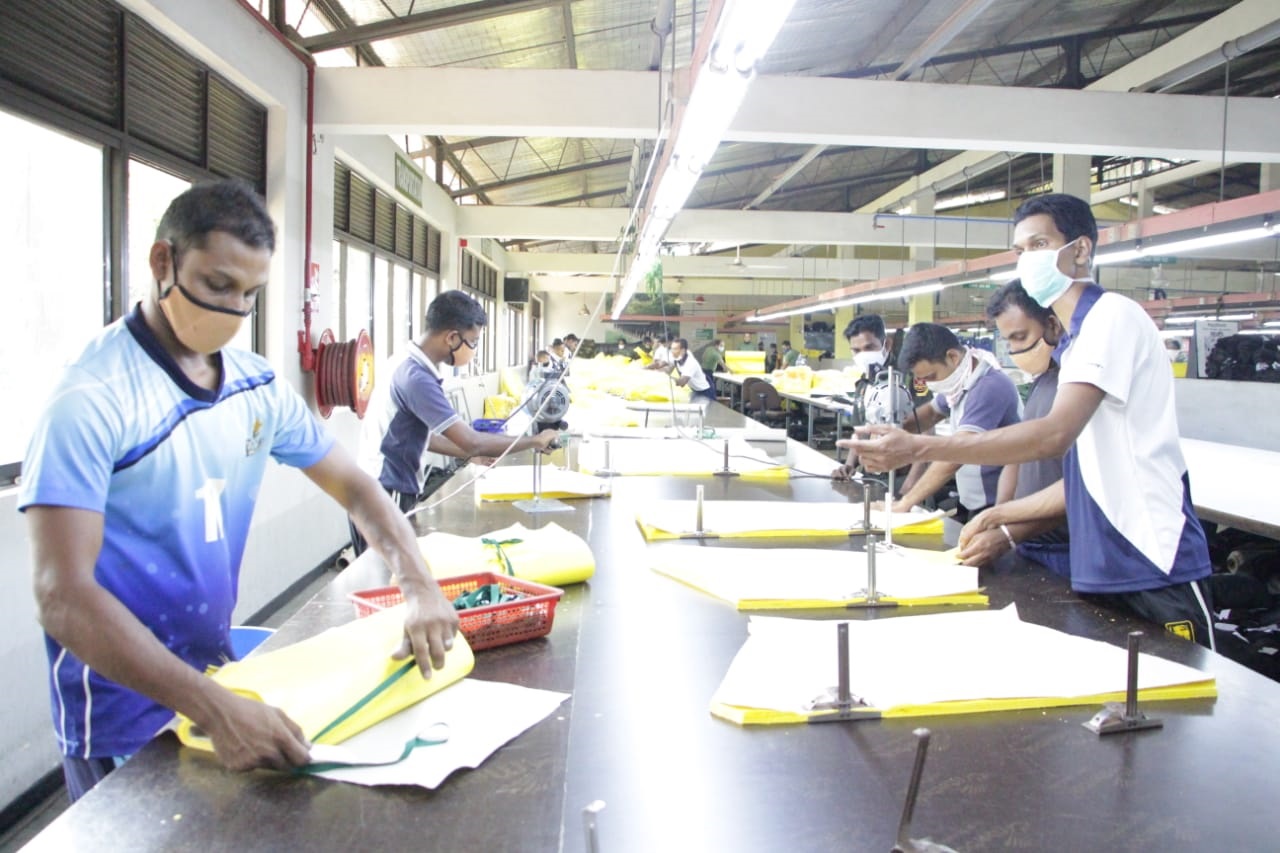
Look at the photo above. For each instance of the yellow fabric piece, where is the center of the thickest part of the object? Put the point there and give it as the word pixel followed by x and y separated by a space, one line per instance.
pixel 744 361
pixel 499 406
pixel 317 680
pixel 931 527
pixel 764 717
pixel 511 381
pixel 549 555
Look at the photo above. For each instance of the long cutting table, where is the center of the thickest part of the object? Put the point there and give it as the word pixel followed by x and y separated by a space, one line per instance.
pixel 642 656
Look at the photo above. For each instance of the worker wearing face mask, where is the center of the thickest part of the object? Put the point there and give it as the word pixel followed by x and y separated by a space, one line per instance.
pixel 972 392
pixel 1033 334
pixel 1136 541
pixel 872 352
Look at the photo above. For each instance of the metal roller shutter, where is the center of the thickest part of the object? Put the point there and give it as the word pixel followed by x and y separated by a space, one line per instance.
pixel 341 197
pixel 361 208
pixel 66 51
pixel 164 94
pixel 420 232
pixel 384 231
pixel 237 134
pixel 404 232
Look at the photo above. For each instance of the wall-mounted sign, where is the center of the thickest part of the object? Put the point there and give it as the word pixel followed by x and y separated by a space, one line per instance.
pixel 408 179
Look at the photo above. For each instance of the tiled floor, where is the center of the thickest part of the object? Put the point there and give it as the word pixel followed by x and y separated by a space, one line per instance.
pixel 45 813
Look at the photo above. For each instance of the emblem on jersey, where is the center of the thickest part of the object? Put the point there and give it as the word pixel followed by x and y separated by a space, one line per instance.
pixel 254 441
pixel 1183 629
pixel 919 387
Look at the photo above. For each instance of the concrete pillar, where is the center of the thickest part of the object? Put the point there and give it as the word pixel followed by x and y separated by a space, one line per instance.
pixel 1269 179
pixel 920 308
pixel 1146 200
pixel 844 316
pixel 1071 175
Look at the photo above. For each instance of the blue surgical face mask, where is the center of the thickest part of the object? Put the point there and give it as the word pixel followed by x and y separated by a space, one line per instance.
pixel 1041 278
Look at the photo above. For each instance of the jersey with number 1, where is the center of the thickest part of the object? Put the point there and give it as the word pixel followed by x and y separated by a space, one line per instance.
pixel 175 470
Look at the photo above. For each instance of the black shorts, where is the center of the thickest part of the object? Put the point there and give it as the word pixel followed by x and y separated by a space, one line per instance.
pixel 1185 609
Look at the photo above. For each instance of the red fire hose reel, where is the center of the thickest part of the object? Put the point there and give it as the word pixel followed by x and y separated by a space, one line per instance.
pixel 344 373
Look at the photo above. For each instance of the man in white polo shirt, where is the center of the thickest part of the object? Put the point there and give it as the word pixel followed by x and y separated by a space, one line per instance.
pixel 689 372
pixel 1135 539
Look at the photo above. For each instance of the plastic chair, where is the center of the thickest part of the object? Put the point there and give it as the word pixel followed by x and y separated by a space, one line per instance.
pixel 246 638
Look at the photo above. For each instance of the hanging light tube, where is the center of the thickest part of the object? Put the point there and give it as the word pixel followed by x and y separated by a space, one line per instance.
pixel 919 290
pixel 744 33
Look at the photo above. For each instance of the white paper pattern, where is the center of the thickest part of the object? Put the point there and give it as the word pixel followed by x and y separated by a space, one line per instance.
pixel 729 517
pixel 984 654
pixel 737 574
pixel 481 716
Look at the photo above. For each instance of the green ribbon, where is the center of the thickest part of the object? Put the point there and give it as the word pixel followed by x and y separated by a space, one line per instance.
pixel 409 746
pixel 483 596
pixel 368 697
pixel 497 546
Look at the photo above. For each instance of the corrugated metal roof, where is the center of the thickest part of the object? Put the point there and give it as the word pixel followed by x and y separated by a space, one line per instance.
pixel 820 37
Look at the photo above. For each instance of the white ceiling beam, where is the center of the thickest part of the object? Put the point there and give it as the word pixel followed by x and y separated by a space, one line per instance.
pixel 939 116
pixel 735 226
pixel 754 270
pixel 618 104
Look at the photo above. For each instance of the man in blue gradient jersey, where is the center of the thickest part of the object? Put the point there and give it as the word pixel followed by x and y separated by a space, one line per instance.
pixel 139 485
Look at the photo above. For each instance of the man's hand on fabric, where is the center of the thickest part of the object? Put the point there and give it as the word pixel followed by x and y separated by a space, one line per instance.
pixel 248 735
pixel 429 627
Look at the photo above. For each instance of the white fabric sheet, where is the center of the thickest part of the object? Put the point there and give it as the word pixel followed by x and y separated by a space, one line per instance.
pixel 658 456
pixel 982 654
pixel 480 717
pixel 730 517
pixel 781 574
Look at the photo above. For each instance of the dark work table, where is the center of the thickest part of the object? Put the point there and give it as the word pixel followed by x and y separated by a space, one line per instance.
pixel 642 654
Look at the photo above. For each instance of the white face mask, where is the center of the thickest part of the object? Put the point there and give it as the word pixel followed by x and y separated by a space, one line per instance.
pixel 1041 278
pixel 955 382
pixel 869 361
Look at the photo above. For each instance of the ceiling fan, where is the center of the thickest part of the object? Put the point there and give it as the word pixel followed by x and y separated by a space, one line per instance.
pixel 738 264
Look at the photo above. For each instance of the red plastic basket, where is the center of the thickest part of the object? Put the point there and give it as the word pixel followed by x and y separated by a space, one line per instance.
pixel 484 627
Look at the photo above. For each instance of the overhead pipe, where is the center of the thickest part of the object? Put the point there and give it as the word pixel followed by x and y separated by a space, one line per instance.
pixel 305 349
pixel 1228 51
pixel 661 25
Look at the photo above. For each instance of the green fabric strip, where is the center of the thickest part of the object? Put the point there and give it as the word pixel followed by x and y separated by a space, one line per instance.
pixel 368 697
pixel 497 546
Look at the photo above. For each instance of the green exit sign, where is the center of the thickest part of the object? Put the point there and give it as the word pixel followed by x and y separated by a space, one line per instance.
pixel 980 285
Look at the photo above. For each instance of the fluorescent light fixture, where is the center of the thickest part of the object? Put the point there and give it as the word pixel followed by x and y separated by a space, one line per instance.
pixel 1209 241
pixel 743 34
pixel 1255 332
pixel 1271 324
pixel 1007 275
pixel 965 200
pixel 918 290
pixel 1191 318
pixel 1117 256
pixel 1190 244
pixel 1175 333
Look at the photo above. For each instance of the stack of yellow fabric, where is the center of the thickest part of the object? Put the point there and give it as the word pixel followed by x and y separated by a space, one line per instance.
pixel 549 555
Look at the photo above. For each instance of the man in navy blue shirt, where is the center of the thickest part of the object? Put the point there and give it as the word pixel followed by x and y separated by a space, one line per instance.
pixel 409 415
pixel 972 392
